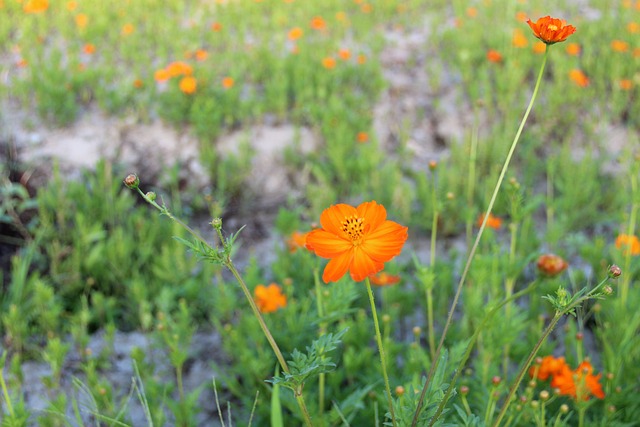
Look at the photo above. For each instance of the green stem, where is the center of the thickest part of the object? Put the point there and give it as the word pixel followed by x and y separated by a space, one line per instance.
pixel 432 262
pixel 631 230
pixel 179 381
pixel 322 331
pixel 5 392
pixel 383 360
pixel 477 241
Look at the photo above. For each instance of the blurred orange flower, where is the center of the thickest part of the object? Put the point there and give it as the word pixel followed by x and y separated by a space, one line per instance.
pixel 472 12
pixel 362 59
pixel 89 48
pixel 201 55
pixel 384 279
pixel 539 47
pixel 359 240
pixel 35 6
pixel 625 84
pixel 81 20
pixel 519 40
pixel 619 46
pixel 551 265
pixel 366 8
pixel 179 68
pixel 318 23
pixel 633 27
pixel 188 85
pixel 344 54
pixel 492 222
pixel 579 384
pixel 329 63
pixel 362 137
pixel 138 83
pixel 628 244
pixel 551 30
pixel 494 56
pixel 573 49
pixel 296 241
pixel 161 75
pixel 521 16
pixel 127 29
pixel 579 77
pixel 295 33
pixel 341 16
pixel 228 82
pixel 548 367
pixel 269 298
pixel 72 5
pixel 216 27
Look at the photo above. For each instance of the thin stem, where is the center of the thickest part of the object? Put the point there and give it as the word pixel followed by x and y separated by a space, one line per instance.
pixel 432 262
pixel 5 392
pixel 383 360
pixel 477 241
pixel 626 280
pixel 322 331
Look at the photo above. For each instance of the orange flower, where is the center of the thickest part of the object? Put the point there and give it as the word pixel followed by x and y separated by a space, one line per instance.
pixel 633 27
pixel 72 5
pixel 549 366
pixel 127 29
pixel 344 54
pixel 579 78
pixel 366 8
pixel 216 27
pixel 201 55
pixel 269 298
pixel 472 12
pixel 628 244
pixel 359 240
pixel 384 279
pixel 295 33
pixel 619 46
pixel 179 68
pixel 551 265
pixel 519 40
pixel 636 52
pixel 89 48
pixel 551 30
pixel 296 241
pixel 539 47
pixel 362 59
pixel 492 222
pixel 137 83
pixel 362 137
pixel 81 20
pixel 342 17
pixel 579 384
pixel 318 23
pixel 161 75
pixel 329 63
pixel 36 6
pixel 625 84
pixel 573 49
pixel 227 82
pixel 188 85
pixel 494 56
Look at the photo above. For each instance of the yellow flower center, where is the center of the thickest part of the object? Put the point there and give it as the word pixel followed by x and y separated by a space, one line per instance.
pixel 553 27
pixel 354 227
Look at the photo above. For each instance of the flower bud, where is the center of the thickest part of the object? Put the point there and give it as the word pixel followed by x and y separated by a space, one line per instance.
pixel 399 390
pixel 151 196
pixel 464 390
pixel 614 271
pixel 417 330
pixel 217 223
pixel 433 165
pixel 579 336
pixel 607 290
pixel 496 380
pixel 132 181
pixel 535 404
pixel 544 395
pixel 564 408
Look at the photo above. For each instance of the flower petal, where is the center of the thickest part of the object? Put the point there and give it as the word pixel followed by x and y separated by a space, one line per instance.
pixel 385 242
pixel 373 214
pixel 337 267
pixel 327 245
pixel 333 217
pixel 363 265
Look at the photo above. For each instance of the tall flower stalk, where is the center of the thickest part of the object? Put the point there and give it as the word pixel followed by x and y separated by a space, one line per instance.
pixel 550 31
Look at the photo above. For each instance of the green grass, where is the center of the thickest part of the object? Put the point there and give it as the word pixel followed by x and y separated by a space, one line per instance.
pixel 89 257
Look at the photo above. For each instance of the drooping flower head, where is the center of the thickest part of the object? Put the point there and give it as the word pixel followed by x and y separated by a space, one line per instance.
pixel 359 240
pixel 551 30
pixel 269 298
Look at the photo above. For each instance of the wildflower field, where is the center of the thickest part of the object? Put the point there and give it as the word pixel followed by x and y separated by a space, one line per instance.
pixel 319 213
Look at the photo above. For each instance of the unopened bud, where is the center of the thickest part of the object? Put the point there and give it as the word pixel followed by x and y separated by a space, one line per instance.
pixel 607 290
pixel 151 195
pixel 399 390
pixel 217 223
pixel 564 408
pixel 496 380
pixel 464 390
pixel 433 165
pixel 544 395
pixel 614 271
pixel 132 181
pixel 535 404
pixel 386 318
pixel 579 336
pixel 417 330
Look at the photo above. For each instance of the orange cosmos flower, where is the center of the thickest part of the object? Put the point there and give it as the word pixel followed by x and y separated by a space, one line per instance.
pixel 579 78
pixel 359 240
pixel 384 279
pixel 216 27
pixel 519 40
pixel 633 27
pixel 227 82
pixel 548 367
pixel 619 46
pixel 179 68
pixel 201 55
pixel 551 265
pixel 628 244
pixel 472 12
pixel 295 33
pixel 573 49
pixel 72 5
pixel 161 76
pixel 318 23
pixel 89 48
pixel 269 298
pixel 81 20
pixel 362 59
pixel 35 6
pixel 362 137
pixel 492 222
pixel 625 84
pixel 344 54
pixel 579 384
pixel 188 85
pixel 137 83
pixel 539 47
pixel 329 63
pixel 494 56
pixel 551 30
pixel 127 29
pixel 296 241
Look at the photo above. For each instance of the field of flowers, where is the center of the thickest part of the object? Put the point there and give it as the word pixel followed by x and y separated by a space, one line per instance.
pixel 446 234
